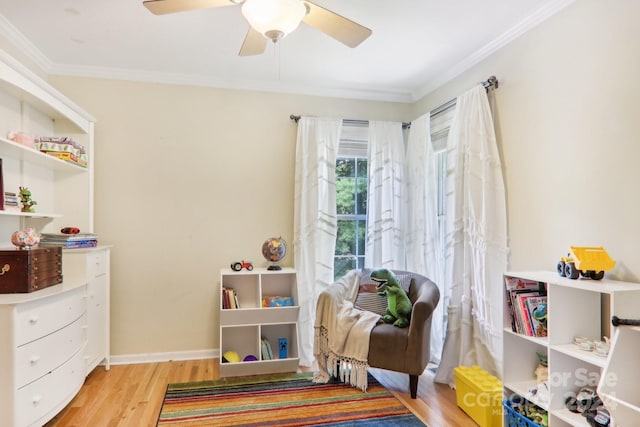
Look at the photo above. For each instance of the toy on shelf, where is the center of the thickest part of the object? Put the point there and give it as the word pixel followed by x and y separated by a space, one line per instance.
pixel 25 199
pixel 585 261
pixel 237 266
pixel 25 239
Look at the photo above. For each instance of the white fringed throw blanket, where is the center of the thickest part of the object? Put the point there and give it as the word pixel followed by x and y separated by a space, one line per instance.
pixel 341 334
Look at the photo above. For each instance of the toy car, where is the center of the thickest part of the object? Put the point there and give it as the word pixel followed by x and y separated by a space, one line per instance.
pixel 237 266
pixel 585 261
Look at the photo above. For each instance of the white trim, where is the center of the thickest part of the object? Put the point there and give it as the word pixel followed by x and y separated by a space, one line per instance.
pixel 366 93
pixel 129 359
pixel 507 37
pixel 24 45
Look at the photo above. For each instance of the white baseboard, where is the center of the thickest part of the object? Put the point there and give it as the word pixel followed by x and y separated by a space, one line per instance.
pixel 129 359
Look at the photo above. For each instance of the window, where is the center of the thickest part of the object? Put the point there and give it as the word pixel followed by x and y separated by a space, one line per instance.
pixel 351 199
pixel 440 125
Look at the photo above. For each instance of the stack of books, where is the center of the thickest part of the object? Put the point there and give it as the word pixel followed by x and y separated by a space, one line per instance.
pixel 11 201
pixel 523 298
pixel 69 241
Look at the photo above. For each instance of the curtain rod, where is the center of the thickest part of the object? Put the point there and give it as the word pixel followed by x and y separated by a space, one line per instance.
pixel 491 82
pixel 350 121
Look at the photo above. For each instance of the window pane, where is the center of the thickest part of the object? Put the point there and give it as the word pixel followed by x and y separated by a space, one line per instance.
pixel 361 235
pixel 361 167
pixel 361 196
pixel 345 168
pixel 341 265
pixel 345 196
pixel 351 205
pixel 345 240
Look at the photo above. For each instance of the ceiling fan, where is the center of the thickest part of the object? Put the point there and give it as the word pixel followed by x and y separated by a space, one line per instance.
pixel 273 20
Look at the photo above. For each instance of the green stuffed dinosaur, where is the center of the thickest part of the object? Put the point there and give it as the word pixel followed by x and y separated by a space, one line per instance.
pixel 398 304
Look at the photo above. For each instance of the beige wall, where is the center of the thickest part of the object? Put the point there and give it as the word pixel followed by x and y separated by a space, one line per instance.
pixel 189 179
pixel 568 123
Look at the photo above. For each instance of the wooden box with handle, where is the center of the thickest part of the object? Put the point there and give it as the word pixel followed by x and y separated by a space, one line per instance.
pixel 29 270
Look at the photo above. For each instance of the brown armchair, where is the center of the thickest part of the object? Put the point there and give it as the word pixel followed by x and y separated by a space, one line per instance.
pixel 407 349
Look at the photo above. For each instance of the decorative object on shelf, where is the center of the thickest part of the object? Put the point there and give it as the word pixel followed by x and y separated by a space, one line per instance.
pixel 70 230
pixel 22 138
pixel 25 199
pixel 274 249
pixel 585 261
pixel 283 348
pixel 237 266
pixel 30 270
pixel 25 239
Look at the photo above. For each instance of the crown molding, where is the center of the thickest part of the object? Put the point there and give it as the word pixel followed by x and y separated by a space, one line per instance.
pixel 507 37
pixel 364 93
pixel 24 45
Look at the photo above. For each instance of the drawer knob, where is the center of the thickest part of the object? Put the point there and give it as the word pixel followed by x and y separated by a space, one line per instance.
pixel 34 320
pixel 36 400
pixel 34 360
pixel 4 269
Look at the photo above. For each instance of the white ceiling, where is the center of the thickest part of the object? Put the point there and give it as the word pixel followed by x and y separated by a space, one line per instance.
pixel 416 45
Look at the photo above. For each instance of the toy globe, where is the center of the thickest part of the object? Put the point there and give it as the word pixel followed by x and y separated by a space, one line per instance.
pixel 273 250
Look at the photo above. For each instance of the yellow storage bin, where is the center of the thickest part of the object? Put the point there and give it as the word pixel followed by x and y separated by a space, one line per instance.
pixel 479 394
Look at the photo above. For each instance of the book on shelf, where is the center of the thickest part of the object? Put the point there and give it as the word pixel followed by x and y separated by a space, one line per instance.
pixel 266 350
pixel 73 244
pixel 518 292
pixel 61 237
pixel 538 326
pixel 229 299
pixel 69 241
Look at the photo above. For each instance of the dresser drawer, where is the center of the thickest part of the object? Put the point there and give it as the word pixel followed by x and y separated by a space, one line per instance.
pixel 50 392
pixel 96 263
pixel 43 355
pixel 42 317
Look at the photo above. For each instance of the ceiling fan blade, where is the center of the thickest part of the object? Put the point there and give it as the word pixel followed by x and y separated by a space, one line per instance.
pixel 162 7
pixel 254 43
pixel 340 28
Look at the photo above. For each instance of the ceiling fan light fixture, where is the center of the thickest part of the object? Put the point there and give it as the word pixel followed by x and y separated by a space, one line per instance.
pixel 274 18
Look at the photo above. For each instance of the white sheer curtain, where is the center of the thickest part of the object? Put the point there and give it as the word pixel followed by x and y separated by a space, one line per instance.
pixel 423 250
pixel 315 223
pixel 385 237
pixel 476 240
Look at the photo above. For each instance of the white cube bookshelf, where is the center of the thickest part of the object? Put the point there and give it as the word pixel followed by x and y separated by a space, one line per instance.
pixel 242 328
pixel 580 307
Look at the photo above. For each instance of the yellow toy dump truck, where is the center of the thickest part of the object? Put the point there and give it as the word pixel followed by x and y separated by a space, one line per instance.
pixel 585 261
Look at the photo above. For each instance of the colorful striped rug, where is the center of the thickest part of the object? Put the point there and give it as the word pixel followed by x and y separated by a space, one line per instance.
pixel 281 400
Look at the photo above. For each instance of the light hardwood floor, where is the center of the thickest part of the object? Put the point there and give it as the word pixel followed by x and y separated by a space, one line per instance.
pixel 131 395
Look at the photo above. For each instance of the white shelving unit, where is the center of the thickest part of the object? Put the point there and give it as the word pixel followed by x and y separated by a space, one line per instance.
pixel 242 329
pixel 575 308
pixel 53 337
